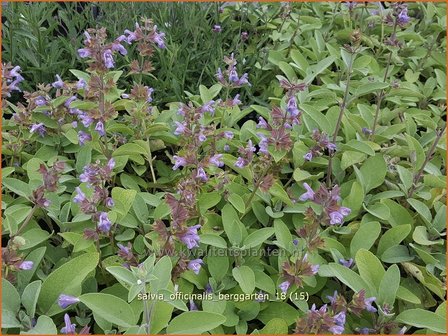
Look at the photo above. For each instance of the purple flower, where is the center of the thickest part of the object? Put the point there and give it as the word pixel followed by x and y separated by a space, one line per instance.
pixel 263 144
pixel 81 84
pixel 366 131
pixel 149 92
pixel 368 303
pixel 216 160
pixel 292 107
pixel 83 137
pixel 226 148
pixel 69 101
pixel 262 123
pixel 308 156
pixel 295 242
pixel 195 265
pixel 201 137
pixel 131 36
pixel 240 163
pixel 244 80
pixel 333 298
pixel 217 28
pixel 100 128
pixel 208 107
pixel 104 222
pixel 69 327
pixel 233 76
pixel 336 217
pixel 284 286
pixel 236 100
pixel 191 237
pixel 84 52
pixel 108 59
pixel 59 84
pixel 339 319
pixel 201 174
pixel 250 146
pixel 85 119
pixel 336 330
pixel 74 124
pixel 403 17
pixel 219 75
pixel 66 300
pixel 315 269
pixel 110 202
pixel 347 263
pixel 26 265
pixel 179 161
pixel 309 193
pixel 40 101
pixel 331 147
pixel 228 135
pixel 159 39
pixel 180 128
pixel 118 47
pixel 80 196
pixel 244 36
pixel 193 306
pixel 110 164
pixel 124 96
pixel 15 72
pixel 39 128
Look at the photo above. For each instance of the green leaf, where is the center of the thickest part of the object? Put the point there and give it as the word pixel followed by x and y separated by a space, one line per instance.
pixel 208 200
pixel 195 322
pixel 374 172
pixel 230 222
pixel 393 237
pixel 245 278
pixel 276 326
pixel 379 210
pixel 213 240
pixel 237 202
pixel 123 199
pixel 30 295
pixel 277 190
pixel 422 209
pixel 360 146
pixel 369 88
pixel 365 237
pixel 282 233
pixel 16 186
pixel 389 286
pixel 417 152
pixel 258 237
pixel 420 236
pixel 10 297
pixel 123 275
pixel 111 308
pixel 350 278
pixel 67 279
pixel 318 117
pixel 370 268
pixel 44 326
pixel 423 319
pixel 279 310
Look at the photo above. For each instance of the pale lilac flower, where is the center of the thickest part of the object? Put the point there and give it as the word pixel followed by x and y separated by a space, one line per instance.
pixel 263 144
pixel 217 28
pixel 149 92
pixel 59 84
pixel 193 306
pixel 100 128
pixel 26 265
pixel 228 135
pixel 262 123
pixel 226 148
pixel 368 302
pixel 83 137
pixel 236 100
pixel 84 52
pixel 333 298
pixel 233 75
pixel 309 193
pixel 244 36
pixel 108 59
pixel 191 237
pixel 40 101
pixel 217 160
pixel 74 124
pixel 69 327
pixel 69 101
pixel 208 107
pixel 201 174
pixel 240 163
pixel 336 330
pixel 284 286
pixel 403 17
pixel 366 131
pixel 308 156
pixel 39 128
pixel 331 147
pixel 347 263
pixel 118 47
pixel 315 269
pixel 159 39
pixel 110 202
pixel 180 129
pixel 201 137
pixel 66 300
pixel 244 80
pixel 80 196
pixel 219 75
pixel 250 146
pixel 124 96
pixel 336 217
pixel 179 161
pixel 85 119
pixel 292 107
pixel 195 265
pixel 104 223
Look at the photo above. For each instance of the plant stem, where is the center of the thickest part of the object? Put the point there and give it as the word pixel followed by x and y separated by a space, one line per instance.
pixel 381 93
pixel 431 151
pixel 252 195
pixel 25 223
pixel 341 114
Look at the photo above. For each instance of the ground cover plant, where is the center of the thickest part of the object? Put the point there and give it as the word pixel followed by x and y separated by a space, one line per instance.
pixel 291 180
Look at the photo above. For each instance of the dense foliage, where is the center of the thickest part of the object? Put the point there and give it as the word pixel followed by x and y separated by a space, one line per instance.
pixel 245 168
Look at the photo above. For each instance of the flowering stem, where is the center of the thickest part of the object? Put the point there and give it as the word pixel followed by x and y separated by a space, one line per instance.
pixel 25 223
pixel 431 151
pixel 341 114
pixel 381 93
pixel 252 195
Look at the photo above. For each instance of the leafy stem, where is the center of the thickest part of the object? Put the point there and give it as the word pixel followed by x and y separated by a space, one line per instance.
pixel 25 223
pixel 341 112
